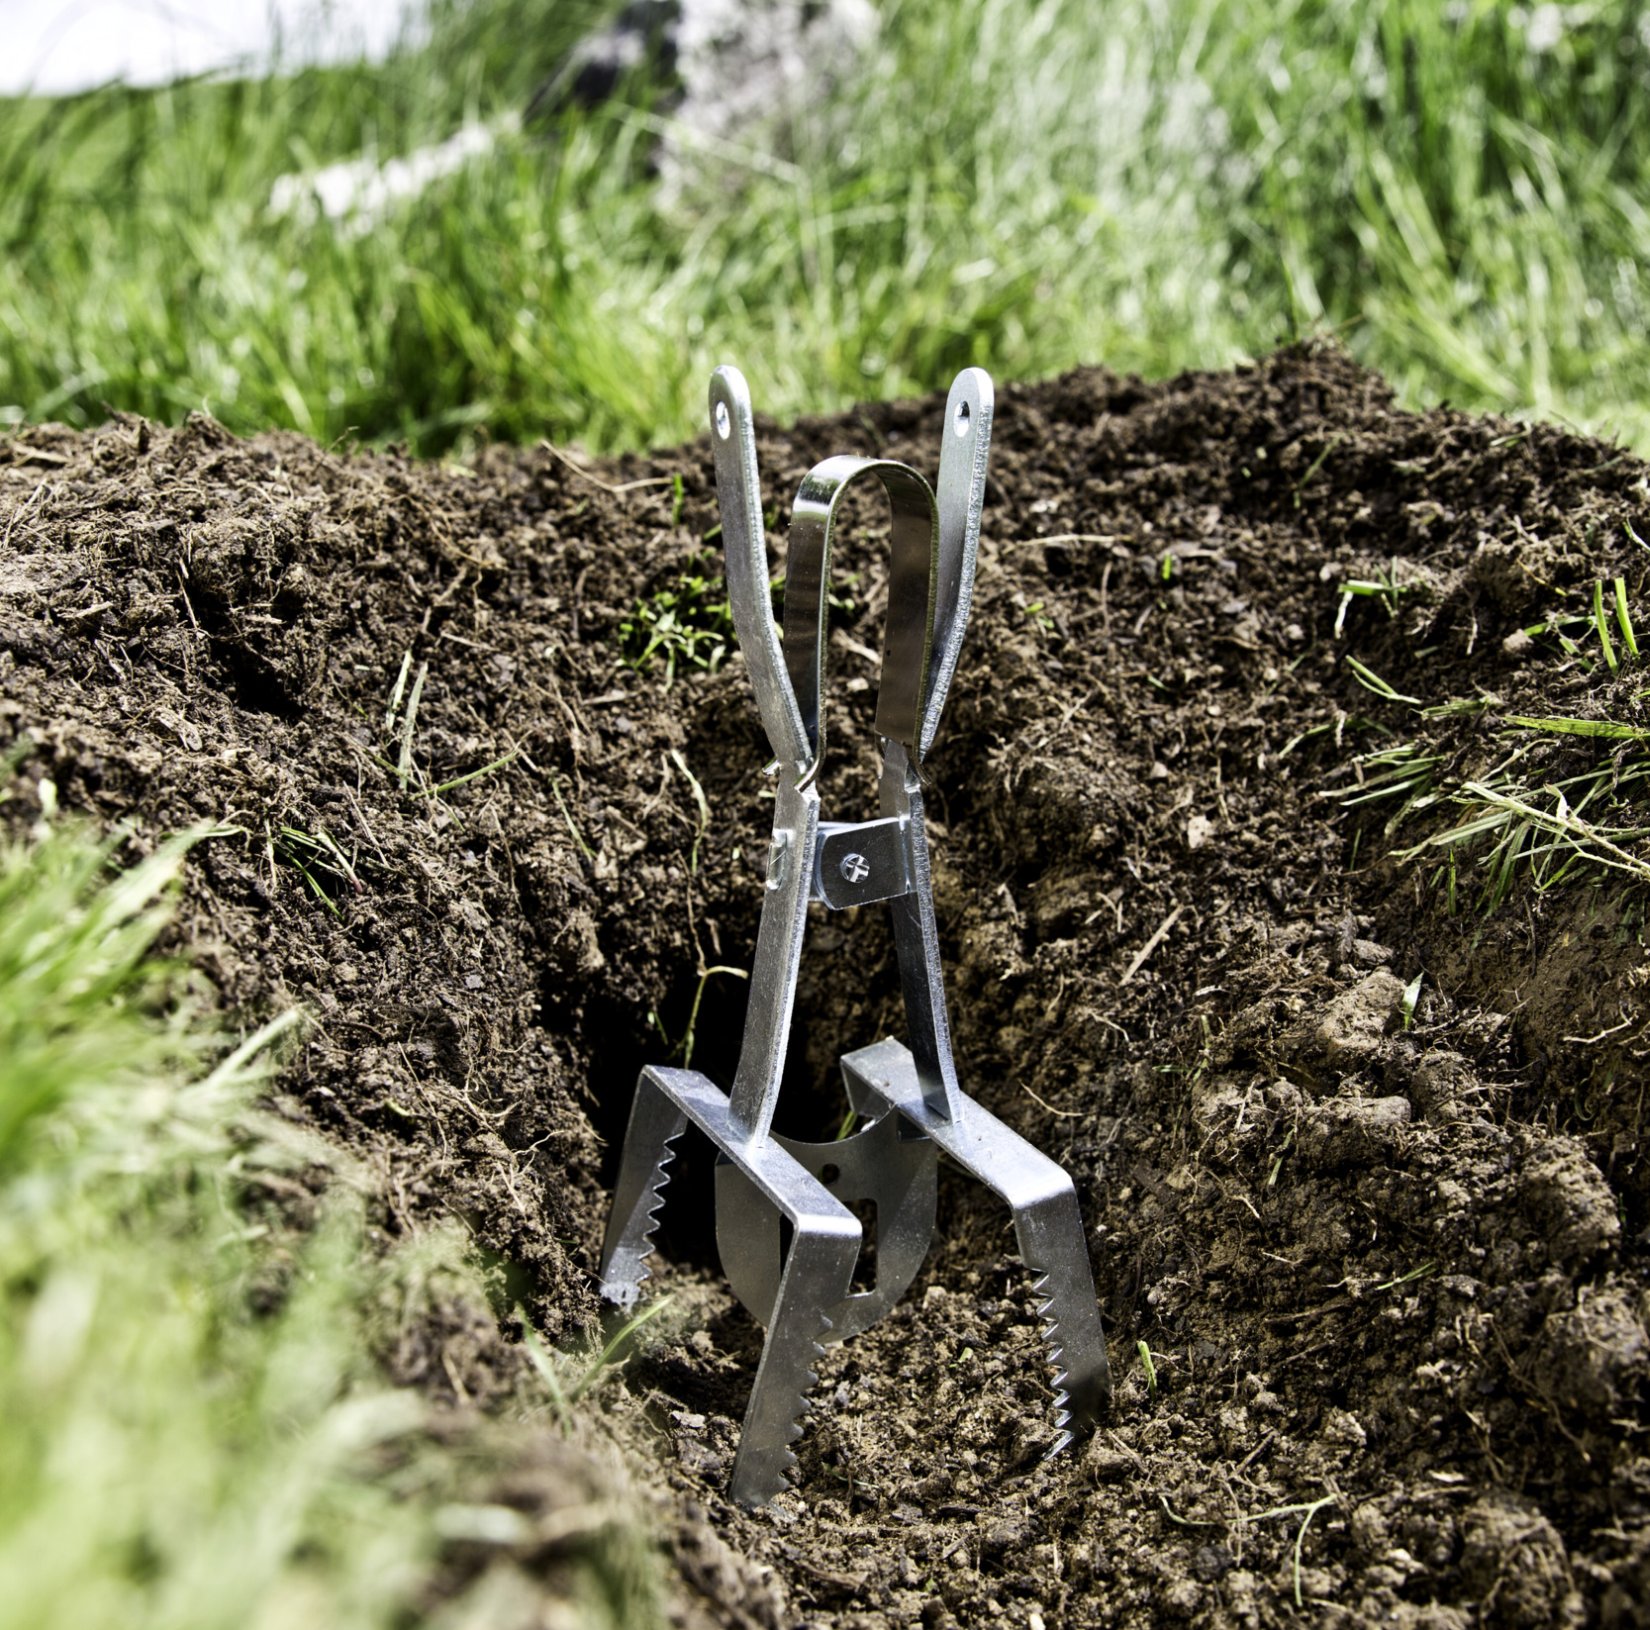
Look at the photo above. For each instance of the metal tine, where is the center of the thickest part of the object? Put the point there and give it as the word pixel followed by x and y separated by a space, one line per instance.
pixel 638 1197
pixel 819 1268
pixel 1048 1223
pixel 817 1274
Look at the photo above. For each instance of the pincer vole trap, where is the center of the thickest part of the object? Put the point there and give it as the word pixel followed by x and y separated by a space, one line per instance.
pixel 909 1102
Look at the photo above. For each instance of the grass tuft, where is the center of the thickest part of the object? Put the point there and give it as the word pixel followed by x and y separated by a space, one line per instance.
pixel 197 1432
pixel 687 622
pixel 1565 799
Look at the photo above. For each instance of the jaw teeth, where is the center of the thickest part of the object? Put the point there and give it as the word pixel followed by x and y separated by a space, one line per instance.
pixel 656 1192
pixel 1055 1342
pixel 802 1406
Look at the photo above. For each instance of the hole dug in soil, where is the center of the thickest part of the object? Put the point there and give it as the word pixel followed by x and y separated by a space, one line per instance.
pixel 1385 1243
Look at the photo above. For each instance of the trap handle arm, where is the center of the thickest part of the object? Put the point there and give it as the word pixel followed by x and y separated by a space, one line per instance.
pixel 935 543
pixel 739 499
pixel 964 455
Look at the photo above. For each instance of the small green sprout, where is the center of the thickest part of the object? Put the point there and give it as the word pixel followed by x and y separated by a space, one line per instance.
pixel 1404 771
pixel 1311 1509
pixel 1412 994
pixel 702 805
pixel 473 775
pixel 1624 619
pixel 1372 681
pixel 1608 729
pixel 705 977
pixel 567 816
pixel 689 621
pixel 314 856
pixel 1037 613
pixel 566 1390
pixel 1316 465
pixel 1426 1268
pixel 1386 589
pixel 842 599
pixel 1603 627
pixel 1607 607
pixel 1149 1367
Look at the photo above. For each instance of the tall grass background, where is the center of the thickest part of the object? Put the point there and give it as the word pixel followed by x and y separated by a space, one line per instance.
pixel 1457 190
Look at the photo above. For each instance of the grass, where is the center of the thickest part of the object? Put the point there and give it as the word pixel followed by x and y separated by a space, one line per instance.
pixel 687 622
pixel 1385 590
pixel 1563 798
pixel 314 856
pixel 1148 1369
pixel 1306 1510
pixel 1559 626
pixel 1458 190
pixel 567 1385
pixel 197 1432
pixel 1544 833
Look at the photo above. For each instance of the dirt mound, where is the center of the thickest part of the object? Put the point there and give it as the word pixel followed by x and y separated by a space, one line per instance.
pixel 1384 1241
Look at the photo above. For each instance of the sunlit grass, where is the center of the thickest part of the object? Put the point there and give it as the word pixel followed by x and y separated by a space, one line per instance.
pixel 197 1431
pixel 1457 190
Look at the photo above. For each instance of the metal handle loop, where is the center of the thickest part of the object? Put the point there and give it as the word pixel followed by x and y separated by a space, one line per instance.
pixel 908 635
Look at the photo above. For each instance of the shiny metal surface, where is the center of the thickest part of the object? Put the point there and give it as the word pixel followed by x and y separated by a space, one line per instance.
pixel 1047 1222
pixel 739 499
pixel 818 1267
pixel 917 943
pixel 965 449
pixel 778 957
pixel 914 528
pixel 861 862
pixel 888 1164
pixel 909 1094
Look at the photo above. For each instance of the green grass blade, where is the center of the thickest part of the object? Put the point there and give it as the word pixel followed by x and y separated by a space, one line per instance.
pixel 1603 627
pixel 1624 621
pixel 1603 728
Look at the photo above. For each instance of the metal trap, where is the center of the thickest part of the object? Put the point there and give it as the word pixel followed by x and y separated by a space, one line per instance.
pixel 788 1239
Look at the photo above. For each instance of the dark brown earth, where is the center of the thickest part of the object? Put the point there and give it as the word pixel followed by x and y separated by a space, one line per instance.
pixel 1389 1264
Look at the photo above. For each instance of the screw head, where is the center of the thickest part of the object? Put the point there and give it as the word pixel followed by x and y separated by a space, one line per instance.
pixel 856 868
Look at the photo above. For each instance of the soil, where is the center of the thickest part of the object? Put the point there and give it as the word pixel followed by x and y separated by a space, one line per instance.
pixel 1386 1248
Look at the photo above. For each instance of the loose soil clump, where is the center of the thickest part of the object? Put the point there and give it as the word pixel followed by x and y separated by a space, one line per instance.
pixel 1361 1161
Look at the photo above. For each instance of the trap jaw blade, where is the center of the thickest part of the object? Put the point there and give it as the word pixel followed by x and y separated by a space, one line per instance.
pixel 817 1270
pixel 1048 1225
pixel 909 1095
pixel 888 1166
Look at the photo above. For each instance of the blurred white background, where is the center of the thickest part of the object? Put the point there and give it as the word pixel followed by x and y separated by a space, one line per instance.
pixel 52 47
